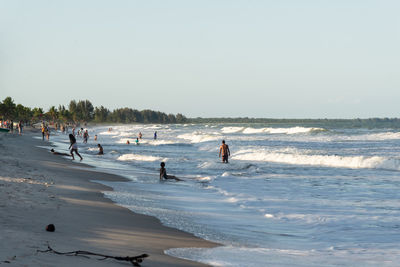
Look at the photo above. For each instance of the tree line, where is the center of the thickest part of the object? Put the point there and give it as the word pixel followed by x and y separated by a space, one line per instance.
pixel 83 111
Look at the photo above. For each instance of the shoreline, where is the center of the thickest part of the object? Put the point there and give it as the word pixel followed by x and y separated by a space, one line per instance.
pixel 38 188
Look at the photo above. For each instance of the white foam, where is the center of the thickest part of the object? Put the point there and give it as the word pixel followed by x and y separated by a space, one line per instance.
pixel 136 157
pixel 232 129
pixel 355 162
pixel 108 133
pixel 160 142
pixel 204 179
pixel 292 130
pixel 198 137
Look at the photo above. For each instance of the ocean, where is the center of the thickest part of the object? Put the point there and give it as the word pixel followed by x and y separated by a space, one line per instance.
pixel 291 195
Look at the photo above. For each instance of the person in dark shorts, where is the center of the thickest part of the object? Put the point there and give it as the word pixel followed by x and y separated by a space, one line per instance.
pixel 224 151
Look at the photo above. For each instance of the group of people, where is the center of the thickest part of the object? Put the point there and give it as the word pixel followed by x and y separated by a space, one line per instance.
pixel 223 151
pixel 73 148
pixel 9 124
pixel 139 137
pixel 45 131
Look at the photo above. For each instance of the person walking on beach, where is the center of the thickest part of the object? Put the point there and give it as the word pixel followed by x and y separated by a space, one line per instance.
pixel 163 173
pixel 224 151
pixel 74 146
pixel 47 133
pixel 155 135
pixel 140 135
pixel 43 131
pixel 20 127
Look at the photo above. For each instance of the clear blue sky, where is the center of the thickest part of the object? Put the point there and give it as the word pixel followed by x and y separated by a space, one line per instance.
pixel 279 59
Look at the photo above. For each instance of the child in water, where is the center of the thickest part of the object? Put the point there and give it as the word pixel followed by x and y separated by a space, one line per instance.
pixel 163 173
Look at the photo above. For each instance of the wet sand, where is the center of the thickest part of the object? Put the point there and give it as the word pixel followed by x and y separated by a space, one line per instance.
pixel 38 188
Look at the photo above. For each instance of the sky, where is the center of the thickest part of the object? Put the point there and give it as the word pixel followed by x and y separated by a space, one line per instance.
pixel 208 58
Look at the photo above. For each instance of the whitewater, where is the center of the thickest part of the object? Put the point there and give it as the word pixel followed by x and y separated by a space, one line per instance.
pixel 292 195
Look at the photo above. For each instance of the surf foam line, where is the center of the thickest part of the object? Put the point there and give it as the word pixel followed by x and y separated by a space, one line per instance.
pixel 292 130
pixel 135 157
pixel 353 162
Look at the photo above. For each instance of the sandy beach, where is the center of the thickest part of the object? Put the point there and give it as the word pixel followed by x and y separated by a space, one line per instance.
pixel 38 188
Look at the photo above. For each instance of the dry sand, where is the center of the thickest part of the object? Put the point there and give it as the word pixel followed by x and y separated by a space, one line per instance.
pixel 38 188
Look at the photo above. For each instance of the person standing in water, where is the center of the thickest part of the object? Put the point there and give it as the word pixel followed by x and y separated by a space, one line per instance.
pixel 224 151
pixel 74 146
pixel 163 173
pixel 85 136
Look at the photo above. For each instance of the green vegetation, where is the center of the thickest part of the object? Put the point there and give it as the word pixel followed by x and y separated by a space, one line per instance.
pixel 82 111
pixel 323 123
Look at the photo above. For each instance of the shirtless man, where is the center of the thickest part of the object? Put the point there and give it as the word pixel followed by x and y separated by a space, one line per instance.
pixel 224 150
pixel 163 173
pixel 101 152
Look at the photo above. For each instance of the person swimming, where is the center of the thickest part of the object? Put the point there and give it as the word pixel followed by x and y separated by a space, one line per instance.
pixel 101 152
pixel 58 153
pixel 163 173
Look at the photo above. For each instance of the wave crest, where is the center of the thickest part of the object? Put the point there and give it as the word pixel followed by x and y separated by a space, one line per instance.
pixel 353 162
pixel 292 130
pixel 135 157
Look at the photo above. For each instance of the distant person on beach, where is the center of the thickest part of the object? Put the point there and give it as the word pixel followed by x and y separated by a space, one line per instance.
pixel 85 136
pixel 73 146
pixel 140 135
pixel 20 127
pixel 58 153
pixel 43 132
pixel 137 141
pixel 224 151
pixel 155 135
pixel 12 126
pixel 163 173
pixel 127 142
pixel 101 152
pixel 95 137
pixel 47 130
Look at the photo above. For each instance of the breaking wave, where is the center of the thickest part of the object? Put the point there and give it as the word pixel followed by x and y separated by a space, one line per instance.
pixel 136 157
pixel 197 137
pixel 353 162
pixel 292 130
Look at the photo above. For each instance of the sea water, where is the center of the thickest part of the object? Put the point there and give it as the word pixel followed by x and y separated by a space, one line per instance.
pixel 291 195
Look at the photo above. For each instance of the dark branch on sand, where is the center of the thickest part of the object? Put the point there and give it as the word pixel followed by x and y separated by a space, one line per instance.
pixel 135 260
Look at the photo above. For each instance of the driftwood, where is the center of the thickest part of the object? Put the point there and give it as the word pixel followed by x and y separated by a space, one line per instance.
pixel 135 260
